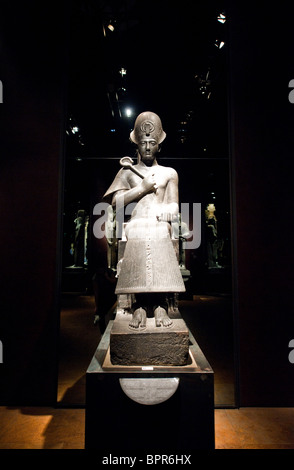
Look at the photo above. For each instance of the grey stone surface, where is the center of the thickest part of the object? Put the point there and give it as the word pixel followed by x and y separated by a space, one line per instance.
pixel 149 346
pixel 148 263
pixel 149 391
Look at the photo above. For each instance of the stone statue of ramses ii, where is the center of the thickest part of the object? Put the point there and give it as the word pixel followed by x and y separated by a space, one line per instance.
pixel 149 269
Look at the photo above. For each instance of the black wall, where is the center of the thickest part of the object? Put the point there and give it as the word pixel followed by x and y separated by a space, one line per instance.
pixel 261 66
pixel 33 62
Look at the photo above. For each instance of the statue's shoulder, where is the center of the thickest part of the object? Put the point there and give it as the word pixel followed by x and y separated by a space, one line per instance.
pixel 169 171
pixel 120 182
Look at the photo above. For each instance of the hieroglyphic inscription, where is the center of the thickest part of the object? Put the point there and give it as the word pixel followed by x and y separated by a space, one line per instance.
pixel 148 263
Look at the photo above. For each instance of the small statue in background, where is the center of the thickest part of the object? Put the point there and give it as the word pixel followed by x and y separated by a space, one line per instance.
pixel 211 236
pixel 78 246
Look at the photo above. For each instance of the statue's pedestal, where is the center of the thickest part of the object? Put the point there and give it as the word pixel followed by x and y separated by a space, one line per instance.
pixel 152 345
pixel 149 408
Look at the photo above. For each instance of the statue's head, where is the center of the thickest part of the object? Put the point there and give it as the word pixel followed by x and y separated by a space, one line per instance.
pixel 148 125
pixel 210 207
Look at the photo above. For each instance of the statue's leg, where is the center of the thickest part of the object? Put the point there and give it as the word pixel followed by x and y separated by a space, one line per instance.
pixel 139 318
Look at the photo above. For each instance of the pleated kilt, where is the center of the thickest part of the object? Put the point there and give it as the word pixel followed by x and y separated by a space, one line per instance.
pixel 149 263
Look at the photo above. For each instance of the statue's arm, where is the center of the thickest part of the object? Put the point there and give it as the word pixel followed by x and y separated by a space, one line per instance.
pixel 126 196
pixel 170 207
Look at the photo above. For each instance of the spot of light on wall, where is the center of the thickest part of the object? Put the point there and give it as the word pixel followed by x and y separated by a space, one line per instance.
pixel 110 27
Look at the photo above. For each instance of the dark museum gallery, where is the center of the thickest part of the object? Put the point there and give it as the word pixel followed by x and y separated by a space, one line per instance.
pixel 74 77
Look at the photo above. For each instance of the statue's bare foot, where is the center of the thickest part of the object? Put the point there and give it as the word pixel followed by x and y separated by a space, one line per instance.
pixel 161 317
pixel 139 319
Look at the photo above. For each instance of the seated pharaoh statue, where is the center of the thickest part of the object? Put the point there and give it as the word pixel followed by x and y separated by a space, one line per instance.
pixel 149 269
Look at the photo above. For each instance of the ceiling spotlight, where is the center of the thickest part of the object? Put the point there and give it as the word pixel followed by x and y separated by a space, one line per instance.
pixel 129 112
pixel 123 71
pixel 110 27
pixel 219 44
pixel 221 18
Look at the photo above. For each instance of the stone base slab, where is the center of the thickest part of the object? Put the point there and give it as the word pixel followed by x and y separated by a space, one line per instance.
pixel 150 346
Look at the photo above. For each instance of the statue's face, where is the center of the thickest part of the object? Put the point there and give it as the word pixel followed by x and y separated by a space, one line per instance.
pixel 148 148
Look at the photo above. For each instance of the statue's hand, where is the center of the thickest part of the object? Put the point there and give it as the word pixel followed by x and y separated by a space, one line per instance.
pixel 167 212
pixel 165 217
pixel 149 183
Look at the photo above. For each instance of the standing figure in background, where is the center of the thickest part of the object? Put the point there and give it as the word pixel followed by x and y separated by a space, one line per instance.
pixel 211 236
pixel 79 241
